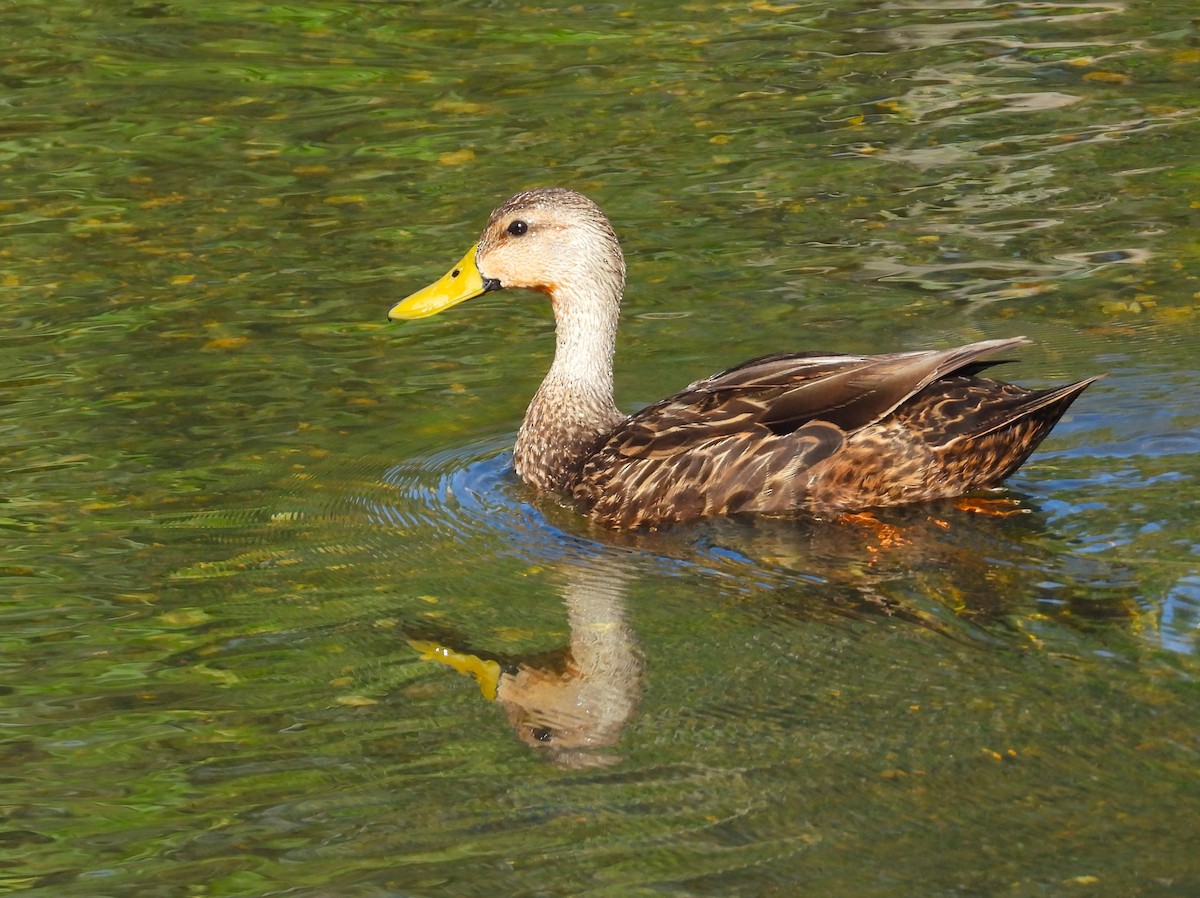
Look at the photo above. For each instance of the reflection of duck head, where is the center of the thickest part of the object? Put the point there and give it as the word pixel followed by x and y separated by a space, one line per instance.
pixel 572 702
pixel 560 711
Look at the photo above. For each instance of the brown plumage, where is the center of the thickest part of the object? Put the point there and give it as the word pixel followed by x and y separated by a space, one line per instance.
pixel 780 434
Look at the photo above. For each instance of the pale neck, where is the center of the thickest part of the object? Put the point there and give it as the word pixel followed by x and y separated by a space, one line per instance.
pixel 585 341
pixel 574 405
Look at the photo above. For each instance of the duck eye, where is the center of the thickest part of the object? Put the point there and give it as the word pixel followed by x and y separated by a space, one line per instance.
pixel 517 228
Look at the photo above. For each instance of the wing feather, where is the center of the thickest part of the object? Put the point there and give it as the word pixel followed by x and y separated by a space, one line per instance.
pixel 782 393
pixel 751 438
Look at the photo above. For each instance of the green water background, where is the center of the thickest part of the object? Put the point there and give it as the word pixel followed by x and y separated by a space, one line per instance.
pixel 232 493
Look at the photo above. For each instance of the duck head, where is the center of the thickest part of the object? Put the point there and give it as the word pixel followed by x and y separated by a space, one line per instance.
pixel 551 240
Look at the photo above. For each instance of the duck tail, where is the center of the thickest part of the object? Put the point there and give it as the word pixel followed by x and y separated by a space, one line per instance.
pixel 1014 437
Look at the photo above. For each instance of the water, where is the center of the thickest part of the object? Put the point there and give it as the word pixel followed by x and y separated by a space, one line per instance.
pixel 277 617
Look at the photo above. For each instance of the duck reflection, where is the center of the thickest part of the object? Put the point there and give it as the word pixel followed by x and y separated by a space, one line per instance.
pixel 569 705
pixel 987 572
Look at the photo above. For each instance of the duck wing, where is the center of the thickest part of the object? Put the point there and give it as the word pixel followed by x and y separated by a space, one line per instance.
pixel 742 439
pixel 850 392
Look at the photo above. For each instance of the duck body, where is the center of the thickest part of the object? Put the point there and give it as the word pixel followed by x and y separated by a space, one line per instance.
pixel 782 434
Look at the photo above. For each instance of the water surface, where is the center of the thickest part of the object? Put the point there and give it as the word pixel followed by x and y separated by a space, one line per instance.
pixel 277 617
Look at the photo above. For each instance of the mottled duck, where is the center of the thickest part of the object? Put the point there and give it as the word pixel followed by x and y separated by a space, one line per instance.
pixel 782 434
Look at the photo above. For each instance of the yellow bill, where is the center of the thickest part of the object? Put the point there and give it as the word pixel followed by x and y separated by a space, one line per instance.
pixel 460 283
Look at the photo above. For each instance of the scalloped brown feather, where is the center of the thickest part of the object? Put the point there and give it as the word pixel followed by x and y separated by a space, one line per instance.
pixel 819 434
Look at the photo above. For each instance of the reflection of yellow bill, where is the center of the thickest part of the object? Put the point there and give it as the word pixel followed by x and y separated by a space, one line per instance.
pixel 460 283
pixel 486 673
